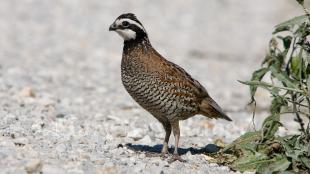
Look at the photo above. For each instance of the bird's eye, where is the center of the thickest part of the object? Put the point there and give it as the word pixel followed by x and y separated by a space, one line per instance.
pixel 125 23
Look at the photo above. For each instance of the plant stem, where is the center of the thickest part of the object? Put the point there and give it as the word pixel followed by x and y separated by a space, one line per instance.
pixel 289 56
pixel 308 126
pixel 298 118
pixel 253 116
pixel 291 112
pixel 306 11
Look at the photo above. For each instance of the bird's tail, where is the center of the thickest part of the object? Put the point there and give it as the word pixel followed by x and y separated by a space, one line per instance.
pixel 211 109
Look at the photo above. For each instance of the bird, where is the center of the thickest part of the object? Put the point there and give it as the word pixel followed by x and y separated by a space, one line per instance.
pixel 158 85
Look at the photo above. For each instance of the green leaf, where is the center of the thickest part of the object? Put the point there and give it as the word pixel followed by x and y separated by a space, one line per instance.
pixel 267 85
pixel 286 41
pixel 270 126
pixel 288 172
pixel 282 77
pixel 257 76
pixel 295 66
pixel 309 149
pixel 280 29
pixel 295 21
pixel 279 165
pixel 276 105
pixel 305 161
pixel 289 147
pixel 308 84
pixel 248 137
pixel 306 69
pixel 301 2
pixel 250 162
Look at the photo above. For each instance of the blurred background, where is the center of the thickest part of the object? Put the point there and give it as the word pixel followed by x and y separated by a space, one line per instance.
pixel 60 67
pixel 67 42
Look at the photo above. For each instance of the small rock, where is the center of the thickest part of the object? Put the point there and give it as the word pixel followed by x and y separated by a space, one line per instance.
pixel 119 133
pixel 207 124
pixel 21 141
pixel 142 155
pixel 112 169
pixel 79 100
pixel 34 166
pixel 37 126
pixel 109 164
pixel 130 151
pixel 28 92
pixel 118 151
pixel 135 134
pixel 47 102
pixel 146 140
pixel 6 143
pixel 99 116
pixel 60 115
pixel 49 169
pixel 114 118
pixel 189 156
pixel 155 127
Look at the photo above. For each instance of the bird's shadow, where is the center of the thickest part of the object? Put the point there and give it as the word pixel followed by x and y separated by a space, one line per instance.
pixel 210 148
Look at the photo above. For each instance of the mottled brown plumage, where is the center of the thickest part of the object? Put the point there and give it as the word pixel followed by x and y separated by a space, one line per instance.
pixel 161 87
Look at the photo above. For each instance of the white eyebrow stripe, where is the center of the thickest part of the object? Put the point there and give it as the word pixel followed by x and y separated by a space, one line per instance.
pixel 119 21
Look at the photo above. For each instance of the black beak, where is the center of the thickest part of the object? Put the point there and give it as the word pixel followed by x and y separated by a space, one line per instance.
pixel 112 27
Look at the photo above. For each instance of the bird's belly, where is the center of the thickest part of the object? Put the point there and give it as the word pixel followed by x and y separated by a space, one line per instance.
pixel 156 99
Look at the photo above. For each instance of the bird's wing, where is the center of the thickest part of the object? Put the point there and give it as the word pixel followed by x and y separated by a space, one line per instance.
pixel 176 75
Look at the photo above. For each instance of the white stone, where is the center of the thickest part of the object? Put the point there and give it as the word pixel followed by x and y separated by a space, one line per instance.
pixel 136 134
pixel 34 166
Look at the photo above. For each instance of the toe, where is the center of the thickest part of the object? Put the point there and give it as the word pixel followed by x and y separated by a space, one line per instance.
pixel 176 157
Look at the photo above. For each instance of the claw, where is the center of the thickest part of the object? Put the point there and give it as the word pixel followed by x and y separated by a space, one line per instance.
pixel 176 157
pixel 163 155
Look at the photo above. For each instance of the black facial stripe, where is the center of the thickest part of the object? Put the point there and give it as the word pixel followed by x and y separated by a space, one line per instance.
pixel 136 28
pixel 132 27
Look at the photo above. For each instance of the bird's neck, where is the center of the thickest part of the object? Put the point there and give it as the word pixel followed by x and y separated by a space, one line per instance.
pixel 141 43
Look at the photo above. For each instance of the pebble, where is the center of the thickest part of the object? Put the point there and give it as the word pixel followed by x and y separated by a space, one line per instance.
pixel 21 141
pixel 37 126
pixel 142 155
pixel 112 169
pixel 155 127
pixel 28 92
pixel 146 140
pixel 34 166
pixel 52 169
pixel 136 134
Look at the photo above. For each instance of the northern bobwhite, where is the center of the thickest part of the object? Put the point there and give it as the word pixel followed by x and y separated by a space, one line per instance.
pixel 161 87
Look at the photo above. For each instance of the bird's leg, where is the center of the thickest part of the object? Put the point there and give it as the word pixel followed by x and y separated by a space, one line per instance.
pixel 176 133
pixel 167 127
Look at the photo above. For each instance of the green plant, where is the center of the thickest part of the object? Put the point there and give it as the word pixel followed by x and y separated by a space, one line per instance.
pixel 287 64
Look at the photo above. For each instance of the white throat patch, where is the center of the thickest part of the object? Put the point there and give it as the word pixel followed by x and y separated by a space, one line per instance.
pixel 127 34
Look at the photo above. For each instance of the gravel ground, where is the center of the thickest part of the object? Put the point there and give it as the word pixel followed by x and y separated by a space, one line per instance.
pixel 63 108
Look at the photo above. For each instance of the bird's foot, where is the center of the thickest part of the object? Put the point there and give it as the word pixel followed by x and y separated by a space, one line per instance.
pixel 176 157
pixel 164 151
pixel 163 155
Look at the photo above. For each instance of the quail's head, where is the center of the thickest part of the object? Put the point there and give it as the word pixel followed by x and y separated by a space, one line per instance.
pixel 128 27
